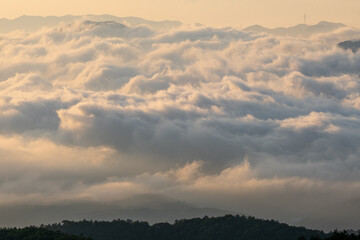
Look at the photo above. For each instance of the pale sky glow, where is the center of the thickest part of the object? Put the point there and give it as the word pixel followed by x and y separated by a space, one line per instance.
pixel 237 13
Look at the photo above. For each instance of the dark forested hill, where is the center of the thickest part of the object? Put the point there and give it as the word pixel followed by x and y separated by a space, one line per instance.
pixel 353 45
pixel 219 228
pixel 35 233
pixel 227 227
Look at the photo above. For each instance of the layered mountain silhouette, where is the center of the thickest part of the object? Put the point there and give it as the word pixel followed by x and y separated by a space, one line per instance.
pixel 301 30
pixel 33 23
pixel 150 208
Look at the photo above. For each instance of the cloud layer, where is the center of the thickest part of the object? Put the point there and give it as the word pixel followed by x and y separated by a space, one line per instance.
pixel 216 117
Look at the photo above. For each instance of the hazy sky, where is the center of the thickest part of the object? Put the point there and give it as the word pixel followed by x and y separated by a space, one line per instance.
pixel 271 13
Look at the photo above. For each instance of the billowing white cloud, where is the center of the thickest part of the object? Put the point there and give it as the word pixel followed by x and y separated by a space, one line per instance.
pixel 102 112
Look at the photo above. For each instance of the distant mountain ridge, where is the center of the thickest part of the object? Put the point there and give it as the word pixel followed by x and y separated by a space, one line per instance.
pixel 33 23
pixel 150 208
pixel 300 30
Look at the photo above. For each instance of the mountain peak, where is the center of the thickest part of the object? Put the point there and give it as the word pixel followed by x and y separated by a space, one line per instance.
pixel 300 30
pixel 33 23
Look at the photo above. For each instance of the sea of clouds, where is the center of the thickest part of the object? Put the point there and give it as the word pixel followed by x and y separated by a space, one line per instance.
pixel 247 122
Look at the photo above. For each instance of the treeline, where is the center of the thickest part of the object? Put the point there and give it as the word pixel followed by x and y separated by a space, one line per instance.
pixel 36 233
pixel 336 235
pixel 220 228
pixel 209 228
